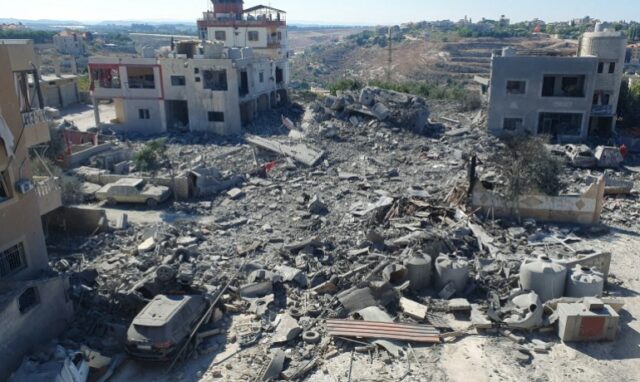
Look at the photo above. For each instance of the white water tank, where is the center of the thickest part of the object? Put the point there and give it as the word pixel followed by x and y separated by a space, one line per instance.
pixel 584 282
pixel 544 276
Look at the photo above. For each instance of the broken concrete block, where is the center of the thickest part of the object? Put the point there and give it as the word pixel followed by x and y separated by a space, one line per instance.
pixel 448 291
pixel 147 245
pixel 459 305
pixel 381 111
pixel 413 309
pixel 235 193
pixel 316 206
pixel 122 222
pixel 367 97
pixel 287 330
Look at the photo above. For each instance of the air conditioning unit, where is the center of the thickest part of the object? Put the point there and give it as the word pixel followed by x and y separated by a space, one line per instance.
pixel 24 186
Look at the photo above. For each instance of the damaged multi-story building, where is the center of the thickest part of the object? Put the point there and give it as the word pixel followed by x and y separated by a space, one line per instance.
pixel 34 301
pixel 570 98
pixel 238 69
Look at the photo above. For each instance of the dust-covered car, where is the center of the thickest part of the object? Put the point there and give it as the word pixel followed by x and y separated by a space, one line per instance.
pixel 133 191
pixel 580 156
pixel 163 327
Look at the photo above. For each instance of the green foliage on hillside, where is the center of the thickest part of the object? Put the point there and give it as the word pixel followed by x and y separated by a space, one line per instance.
pixel 630 104
pixel 39 37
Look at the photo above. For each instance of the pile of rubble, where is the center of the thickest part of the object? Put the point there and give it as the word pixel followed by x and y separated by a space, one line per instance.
pixel 344 242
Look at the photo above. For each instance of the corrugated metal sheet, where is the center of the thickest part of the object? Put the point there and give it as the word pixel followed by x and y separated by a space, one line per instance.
pixel 390 331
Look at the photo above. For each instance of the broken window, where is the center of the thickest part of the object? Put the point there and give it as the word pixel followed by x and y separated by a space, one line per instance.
pixel 12 260
pixel 612 68
pixel 221 36
pixel 261 77
pixel 141 78
pixel 5 190
pixel 106 78
pixel 279 75
pixel 560 124
pixel 178 81
pixel 215 79
pixel 253 36
pixel 516 87
pixel 28 299
pixel 216 116
pixel 601 67
pixel 144 114
pixel 513 124
pixel 244 84
pixel 564 86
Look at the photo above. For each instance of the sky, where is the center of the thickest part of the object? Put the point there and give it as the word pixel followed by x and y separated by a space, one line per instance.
pixel 334 12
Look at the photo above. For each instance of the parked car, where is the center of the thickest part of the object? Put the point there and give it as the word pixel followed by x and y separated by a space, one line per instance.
pixel 580 156
pixel 609 157
pixel 163 327
pixel 133 191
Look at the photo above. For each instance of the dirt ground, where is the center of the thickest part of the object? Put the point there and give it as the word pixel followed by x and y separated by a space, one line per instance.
pixel 83 117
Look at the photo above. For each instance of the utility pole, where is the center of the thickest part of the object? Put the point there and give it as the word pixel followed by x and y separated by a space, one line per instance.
pixel 390 63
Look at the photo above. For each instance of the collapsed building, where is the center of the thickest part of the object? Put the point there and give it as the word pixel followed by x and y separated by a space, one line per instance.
pixel 34 304
pixel 570 98
pixel 216 85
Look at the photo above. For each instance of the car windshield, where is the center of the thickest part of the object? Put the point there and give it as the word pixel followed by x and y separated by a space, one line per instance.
pixel 153 333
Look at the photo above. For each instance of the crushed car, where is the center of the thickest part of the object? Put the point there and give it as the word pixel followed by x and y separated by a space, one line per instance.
pixel 580 156
pixel 164 326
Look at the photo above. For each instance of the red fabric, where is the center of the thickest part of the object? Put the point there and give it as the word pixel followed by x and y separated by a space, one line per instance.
pixel 270 166
pixel 624 150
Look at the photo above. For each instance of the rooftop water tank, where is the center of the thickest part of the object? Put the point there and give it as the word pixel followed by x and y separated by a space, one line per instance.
pixel 418 272
pixel 585 282
pixel 452 268
pixel 544 276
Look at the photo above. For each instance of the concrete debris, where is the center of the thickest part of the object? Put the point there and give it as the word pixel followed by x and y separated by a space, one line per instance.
pixel 287 329
pixel 524 311
pixel 333 243
pixel 272 373
pixel 301 153
pixel 413 309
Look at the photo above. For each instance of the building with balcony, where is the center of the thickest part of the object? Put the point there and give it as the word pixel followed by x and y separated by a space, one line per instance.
pixel 569 98
pixel 34 303
pixel 261 27
pixel 216 85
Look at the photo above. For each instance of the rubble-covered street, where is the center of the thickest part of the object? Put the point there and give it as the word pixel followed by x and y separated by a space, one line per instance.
pixel 355 234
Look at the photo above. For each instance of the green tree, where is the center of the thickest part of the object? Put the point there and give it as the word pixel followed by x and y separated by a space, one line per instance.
pixel 630 104
pixel 152 156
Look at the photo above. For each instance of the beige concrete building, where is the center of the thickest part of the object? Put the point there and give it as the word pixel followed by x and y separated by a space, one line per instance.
pixel 570 98
pixel 216 85
pixel 70 42
pixel 60 91
pixel 34 303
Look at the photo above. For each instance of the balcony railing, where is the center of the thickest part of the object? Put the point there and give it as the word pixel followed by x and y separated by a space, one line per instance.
pixel 36 127
pixel 49 194
pixel 30 118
